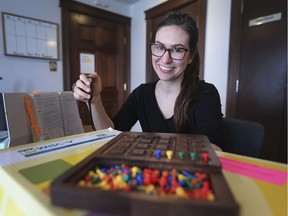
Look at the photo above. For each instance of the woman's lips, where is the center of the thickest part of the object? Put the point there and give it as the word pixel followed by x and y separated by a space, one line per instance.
pixel 165 69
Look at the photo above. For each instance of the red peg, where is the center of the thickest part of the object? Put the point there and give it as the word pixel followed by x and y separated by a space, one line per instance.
pixel 205 157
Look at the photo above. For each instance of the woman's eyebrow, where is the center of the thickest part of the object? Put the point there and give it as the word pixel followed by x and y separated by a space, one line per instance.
pixel 158 42
pixel 174 45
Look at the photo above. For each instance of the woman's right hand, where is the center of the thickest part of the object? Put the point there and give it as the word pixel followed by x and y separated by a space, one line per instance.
pixel 82 92
pixel 82 89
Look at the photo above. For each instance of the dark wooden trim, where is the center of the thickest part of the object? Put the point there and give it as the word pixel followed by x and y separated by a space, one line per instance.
pixel 165 7
pixel 149 67
pixel 67 7
pixel 128 59
pixel 234 51
pixel 66 49
pixel 201 31
pixel 95 12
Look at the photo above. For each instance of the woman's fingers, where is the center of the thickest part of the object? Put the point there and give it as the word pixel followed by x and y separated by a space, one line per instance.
pixel 81 90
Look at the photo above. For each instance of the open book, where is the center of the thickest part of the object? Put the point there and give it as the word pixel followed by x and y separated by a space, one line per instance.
pixel 53 115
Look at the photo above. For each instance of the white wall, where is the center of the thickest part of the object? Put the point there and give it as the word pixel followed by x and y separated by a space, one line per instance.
pixel 217 46
pixel 138 40
pixel 27 74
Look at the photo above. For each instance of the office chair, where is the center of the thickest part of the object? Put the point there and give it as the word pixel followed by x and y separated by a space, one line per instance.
pixel 243 137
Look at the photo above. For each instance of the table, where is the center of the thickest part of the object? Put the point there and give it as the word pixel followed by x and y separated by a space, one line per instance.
pixel 259 186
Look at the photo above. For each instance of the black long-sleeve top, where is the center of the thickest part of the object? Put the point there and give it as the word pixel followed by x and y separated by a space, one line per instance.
pixel 204 113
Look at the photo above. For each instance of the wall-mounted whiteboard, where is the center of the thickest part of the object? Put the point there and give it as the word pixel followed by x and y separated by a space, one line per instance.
pixel 28 37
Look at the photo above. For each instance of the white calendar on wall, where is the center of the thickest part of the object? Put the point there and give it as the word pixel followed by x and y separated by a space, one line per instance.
pixel 28 37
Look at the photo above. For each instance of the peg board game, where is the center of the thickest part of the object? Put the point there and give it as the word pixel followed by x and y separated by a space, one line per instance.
pixel 182 157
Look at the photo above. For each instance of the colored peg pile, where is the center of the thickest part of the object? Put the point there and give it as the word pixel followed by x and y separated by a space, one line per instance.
pixel 154 182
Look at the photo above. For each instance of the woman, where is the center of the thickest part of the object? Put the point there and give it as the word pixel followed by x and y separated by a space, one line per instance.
pixel 176 103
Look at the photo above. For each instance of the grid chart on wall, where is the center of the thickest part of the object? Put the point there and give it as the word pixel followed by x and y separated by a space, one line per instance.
pixel 30 37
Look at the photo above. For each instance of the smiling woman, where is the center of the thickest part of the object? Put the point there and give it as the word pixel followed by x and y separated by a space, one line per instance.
pixel 178 102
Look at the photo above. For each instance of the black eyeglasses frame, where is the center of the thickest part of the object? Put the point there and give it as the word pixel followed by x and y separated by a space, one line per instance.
pixel 185 49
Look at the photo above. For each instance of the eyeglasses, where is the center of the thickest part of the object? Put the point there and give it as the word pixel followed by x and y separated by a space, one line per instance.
pixel 176 53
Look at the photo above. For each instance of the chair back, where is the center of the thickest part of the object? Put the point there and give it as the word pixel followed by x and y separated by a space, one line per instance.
pixel 243 137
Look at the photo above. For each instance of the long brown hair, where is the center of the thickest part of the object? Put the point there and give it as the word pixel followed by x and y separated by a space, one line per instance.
pixel 190 82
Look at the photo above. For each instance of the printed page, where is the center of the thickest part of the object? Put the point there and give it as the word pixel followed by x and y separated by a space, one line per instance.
pixel 47 112
pixel 71 117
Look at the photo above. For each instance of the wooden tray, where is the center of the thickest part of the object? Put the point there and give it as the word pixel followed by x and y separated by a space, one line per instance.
pixel 138 149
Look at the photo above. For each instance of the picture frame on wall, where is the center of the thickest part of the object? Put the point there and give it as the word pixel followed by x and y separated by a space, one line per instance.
pixel 29 37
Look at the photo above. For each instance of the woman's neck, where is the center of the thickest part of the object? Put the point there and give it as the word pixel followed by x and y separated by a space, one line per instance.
pixel 166 93
pixel 169 87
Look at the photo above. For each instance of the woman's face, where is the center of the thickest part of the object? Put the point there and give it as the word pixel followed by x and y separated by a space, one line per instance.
pixel 167 68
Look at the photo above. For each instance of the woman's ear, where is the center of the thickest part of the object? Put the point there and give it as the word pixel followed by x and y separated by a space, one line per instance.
pixel 191 57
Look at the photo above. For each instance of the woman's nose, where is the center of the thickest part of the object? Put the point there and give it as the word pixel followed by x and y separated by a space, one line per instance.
pixel 166 57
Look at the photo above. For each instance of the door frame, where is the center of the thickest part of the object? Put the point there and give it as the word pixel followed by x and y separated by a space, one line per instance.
pixel 68 6
pixel 234 73
pixel 234 58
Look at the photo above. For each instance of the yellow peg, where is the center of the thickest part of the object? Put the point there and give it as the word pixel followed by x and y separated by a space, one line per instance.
pixel 169 154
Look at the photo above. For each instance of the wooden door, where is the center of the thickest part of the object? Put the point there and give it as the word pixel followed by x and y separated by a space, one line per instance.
pixel 107 36
pixel 257 91
pixel 197 9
